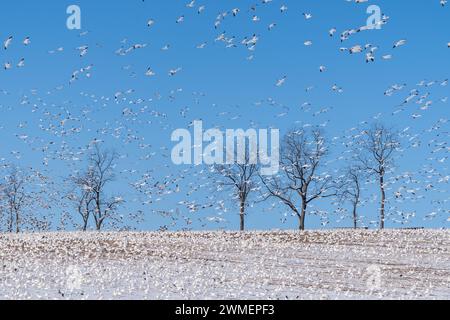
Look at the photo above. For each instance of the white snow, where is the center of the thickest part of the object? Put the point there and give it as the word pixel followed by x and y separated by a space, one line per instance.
pixel 217 265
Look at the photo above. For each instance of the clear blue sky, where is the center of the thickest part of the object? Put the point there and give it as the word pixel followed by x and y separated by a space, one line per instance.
pixel 222 87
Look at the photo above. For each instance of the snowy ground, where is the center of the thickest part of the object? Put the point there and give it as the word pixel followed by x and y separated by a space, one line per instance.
pixel 216 265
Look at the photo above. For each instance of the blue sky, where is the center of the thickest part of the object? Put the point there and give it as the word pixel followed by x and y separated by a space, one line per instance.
pixel 222 87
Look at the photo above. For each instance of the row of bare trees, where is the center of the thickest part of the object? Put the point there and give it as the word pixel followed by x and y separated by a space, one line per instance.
pixel 304 178
pixel 24 193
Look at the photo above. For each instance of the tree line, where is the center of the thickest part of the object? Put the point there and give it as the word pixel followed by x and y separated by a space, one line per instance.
pixel 302 180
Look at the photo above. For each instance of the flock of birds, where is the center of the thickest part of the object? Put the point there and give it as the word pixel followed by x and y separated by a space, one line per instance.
pixel 59 130
pixel 218 265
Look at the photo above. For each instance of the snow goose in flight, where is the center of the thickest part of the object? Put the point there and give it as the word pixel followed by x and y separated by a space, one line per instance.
pixel 202 45
pixel 356 49
pixel 83 50
pixel 332 32
pixel 180 19
pixel 271 26
pixel 7 42
pixel 173 72
pixel 399 43
pixel 21 63
pixel 27 41
pixel 201 9
pixel 281 81
pixel 370 57
pixel 150 73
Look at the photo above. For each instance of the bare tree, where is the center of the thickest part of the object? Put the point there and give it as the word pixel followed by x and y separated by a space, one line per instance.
pixel 92 184
pixel 241 178
pixel 301 159
pixel 350 190
pixel 376 155
pixel 26 199
pixel 16 198
pixel 84 200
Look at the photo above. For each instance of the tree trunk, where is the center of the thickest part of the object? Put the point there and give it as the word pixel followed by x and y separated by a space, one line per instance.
pixel 355 215
pixel 303 215
pixel 99 220
pixel 17 222
pixel 383 202
pixel 11 221
pixel 85 216
pixel 242 216
pixel 85 224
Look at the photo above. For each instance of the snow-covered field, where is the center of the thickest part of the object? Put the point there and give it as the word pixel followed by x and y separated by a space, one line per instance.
pixel 217 265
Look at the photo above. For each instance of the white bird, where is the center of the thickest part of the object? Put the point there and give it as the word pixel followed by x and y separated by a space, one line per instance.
pixel 150 73
pixel 83 50
pixel 281 81
pixel 201 46
pixel 7 42
pixel 201 9
pixel 370 57
pixel 356 49
pixel 21 63
pixel 399 43
pixel 173 72
pixel 180 19
pixel 332 32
